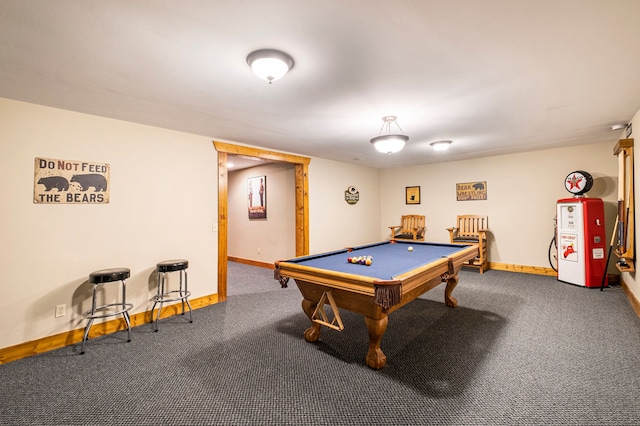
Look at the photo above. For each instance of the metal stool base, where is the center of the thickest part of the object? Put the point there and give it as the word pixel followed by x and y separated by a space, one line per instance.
pixel 165 296
pixel 111 309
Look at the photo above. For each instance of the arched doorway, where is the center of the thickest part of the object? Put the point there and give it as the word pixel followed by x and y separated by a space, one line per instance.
pixel 301 165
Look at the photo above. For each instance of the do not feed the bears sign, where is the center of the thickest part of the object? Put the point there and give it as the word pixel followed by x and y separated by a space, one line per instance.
pixel 70 182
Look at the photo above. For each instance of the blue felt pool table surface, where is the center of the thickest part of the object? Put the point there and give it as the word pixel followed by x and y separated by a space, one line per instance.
pixel 389 259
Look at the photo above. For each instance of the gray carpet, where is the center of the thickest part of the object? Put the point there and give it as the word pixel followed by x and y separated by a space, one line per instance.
pixel 519 349
pixel 243 279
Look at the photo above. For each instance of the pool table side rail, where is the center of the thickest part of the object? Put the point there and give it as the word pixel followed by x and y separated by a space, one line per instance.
pixel 341 280
pixel 337 251
pixel 421 279
pixel 458 259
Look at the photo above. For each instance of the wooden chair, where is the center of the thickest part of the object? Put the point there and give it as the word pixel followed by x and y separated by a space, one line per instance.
pixel 411 228
pixel 472 229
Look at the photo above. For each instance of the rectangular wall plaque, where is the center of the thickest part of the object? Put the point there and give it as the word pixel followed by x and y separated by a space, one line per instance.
pixel 70 182
pixel 470 191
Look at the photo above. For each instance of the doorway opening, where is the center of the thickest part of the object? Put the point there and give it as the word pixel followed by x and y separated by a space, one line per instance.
pixel 301 165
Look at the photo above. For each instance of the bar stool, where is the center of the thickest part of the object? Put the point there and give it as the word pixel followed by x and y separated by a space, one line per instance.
pixel 111 309
pixel 164 294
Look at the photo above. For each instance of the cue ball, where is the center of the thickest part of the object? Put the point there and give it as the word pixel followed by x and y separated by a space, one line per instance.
pixel 410 248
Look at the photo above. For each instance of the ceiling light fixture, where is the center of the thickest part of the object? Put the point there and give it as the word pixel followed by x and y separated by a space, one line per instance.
pixel 389 143
pixel 440 145
pixel 269 64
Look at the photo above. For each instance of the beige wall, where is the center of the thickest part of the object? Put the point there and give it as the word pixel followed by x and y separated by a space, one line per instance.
pixel 522 190
pixel 334 224
pixel 263 240
pixel 162 206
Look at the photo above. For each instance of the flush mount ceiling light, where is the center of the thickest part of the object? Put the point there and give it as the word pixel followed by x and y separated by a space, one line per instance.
pixel 389 143
pixel 440 145
pixel 269 64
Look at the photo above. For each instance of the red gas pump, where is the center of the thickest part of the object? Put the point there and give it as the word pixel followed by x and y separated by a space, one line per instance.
pixel 580 234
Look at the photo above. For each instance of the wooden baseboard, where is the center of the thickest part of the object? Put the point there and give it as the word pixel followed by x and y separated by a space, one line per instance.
pixel 34 347
pixel 633 299
pixel 259 264
pixel 497 266
pixel 22 350
pixel 523 269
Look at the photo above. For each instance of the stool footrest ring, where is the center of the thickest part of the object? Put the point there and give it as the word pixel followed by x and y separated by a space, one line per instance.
pixel 164 295
pixel 169 296
pixel 111 312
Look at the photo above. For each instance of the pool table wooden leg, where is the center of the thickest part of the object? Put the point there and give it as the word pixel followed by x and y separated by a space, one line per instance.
pixel 375 357
pixel 312 333
pixel 449 300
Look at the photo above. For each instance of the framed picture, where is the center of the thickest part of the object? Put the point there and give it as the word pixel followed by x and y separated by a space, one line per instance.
pixel 257 192
pixel 412 195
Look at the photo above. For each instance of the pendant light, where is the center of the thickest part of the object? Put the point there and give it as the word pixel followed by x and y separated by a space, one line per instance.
pixel 389 143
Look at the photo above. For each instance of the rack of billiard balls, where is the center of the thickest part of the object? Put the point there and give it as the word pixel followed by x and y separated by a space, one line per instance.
pixel 361 260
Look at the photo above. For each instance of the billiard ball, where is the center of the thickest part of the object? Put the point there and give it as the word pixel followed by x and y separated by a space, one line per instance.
pixel 410 248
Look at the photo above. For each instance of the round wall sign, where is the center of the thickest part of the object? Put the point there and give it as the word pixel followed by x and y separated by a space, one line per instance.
pixel 351 195
pixel 578 182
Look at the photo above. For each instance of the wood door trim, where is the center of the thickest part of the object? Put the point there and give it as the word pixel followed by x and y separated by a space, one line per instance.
pixel 301 165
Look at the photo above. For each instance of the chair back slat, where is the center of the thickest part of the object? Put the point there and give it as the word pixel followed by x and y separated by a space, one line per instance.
pixel 472 229
pixel 409 223
pixel 469 225
pixel 411 227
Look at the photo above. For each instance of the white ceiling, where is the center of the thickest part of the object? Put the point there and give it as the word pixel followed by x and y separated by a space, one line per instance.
pixel 493 76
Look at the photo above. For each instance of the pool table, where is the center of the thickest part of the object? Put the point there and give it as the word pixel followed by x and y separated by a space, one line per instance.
pixel 400 271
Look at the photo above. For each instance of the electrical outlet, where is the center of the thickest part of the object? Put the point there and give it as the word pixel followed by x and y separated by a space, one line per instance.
pixel 258 251
pixel 60 310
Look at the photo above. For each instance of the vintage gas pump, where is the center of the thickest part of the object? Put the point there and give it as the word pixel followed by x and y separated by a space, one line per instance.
pixel 581 234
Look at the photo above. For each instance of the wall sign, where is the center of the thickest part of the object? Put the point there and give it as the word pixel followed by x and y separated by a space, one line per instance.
pixel 578 182
pixel 70 182
pixel 351 195
pixel 471 191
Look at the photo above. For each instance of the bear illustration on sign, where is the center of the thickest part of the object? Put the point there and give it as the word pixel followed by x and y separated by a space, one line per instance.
pixel 58 182
pixel 99 182
pixel 478 186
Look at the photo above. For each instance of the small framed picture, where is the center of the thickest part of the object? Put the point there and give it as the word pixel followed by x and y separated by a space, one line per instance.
pixel 412 195
pixel 257 188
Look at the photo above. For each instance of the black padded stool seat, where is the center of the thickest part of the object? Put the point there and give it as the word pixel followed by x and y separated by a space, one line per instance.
pixel 111 309
pixel 108 275
pixel 173 265
pixel 164 294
